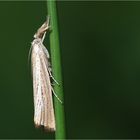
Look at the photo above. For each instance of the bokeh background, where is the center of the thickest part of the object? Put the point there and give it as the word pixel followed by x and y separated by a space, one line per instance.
pixel 100 48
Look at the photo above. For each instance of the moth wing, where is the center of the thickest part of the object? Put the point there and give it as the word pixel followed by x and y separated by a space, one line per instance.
pixel 36 70
pixel 43 103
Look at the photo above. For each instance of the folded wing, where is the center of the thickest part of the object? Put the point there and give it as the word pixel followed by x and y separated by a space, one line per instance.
pixel 43 104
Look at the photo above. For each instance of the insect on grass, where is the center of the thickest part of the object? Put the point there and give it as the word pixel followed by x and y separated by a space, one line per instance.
pixel 42 86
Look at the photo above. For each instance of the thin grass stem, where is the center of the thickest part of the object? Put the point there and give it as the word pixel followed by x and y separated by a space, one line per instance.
pixel 56 69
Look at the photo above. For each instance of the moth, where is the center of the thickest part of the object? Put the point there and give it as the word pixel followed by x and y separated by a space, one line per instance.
pixel 42 86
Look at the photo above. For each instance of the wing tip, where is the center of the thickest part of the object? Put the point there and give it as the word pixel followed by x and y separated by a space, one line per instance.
pixel 49 129
pixel 46 128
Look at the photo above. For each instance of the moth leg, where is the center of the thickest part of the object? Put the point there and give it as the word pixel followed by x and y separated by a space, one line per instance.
pixel 45 33
pixel 48 21
pixel 56 96
pixel 52 84
pixel 49 70
pixel 43 36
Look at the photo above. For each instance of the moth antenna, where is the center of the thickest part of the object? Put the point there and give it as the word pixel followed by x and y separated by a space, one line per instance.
pixel 29 54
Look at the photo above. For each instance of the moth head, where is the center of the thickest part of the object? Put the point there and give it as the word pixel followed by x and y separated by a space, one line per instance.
pixel 42 30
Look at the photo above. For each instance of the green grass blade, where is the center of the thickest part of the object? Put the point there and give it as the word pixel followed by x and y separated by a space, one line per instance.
pixel 56 68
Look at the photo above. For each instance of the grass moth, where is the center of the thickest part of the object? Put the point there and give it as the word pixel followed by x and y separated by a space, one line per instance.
pixel 42 87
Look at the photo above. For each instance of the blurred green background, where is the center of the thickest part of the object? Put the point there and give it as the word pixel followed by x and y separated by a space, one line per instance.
pixel 100 48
